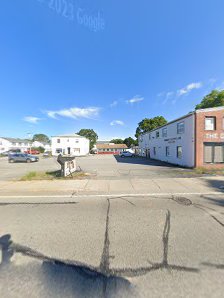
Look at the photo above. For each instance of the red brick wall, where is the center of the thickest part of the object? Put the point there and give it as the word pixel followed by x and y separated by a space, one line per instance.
pixel 202 135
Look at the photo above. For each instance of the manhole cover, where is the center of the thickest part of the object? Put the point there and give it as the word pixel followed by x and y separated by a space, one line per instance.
pixel 182 201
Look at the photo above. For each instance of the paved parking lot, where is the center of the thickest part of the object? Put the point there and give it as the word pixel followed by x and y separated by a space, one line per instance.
pixel 14 171
pixel 100 166
pixel 115 167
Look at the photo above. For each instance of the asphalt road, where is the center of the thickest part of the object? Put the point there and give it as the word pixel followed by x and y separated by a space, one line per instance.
pixel 113 247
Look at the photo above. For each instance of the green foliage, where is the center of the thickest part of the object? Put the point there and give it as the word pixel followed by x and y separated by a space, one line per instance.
pixel 40 149
pixel 117 141
pixel 213 99
pixel 89 134
pixel 40 137
pixel 149 124
pixel 130 142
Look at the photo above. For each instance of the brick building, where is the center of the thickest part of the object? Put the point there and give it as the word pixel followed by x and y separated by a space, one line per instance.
pixel 209 140
pixel 194 140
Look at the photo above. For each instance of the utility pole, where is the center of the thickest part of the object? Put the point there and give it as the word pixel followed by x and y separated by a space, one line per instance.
pixel 29 138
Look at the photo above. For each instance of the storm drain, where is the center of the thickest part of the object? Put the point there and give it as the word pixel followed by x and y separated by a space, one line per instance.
pixel 182 201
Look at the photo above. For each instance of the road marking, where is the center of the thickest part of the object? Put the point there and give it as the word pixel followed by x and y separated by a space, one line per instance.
pixel 113 195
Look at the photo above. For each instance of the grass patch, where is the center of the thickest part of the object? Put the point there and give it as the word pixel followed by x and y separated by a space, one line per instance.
pixel 203 171
pixel 31 176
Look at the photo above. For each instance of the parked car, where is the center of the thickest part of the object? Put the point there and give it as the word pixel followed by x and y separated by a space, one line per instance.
pixel 47 154
pixel 32 151
pixel 5 153
pixel 22 157
pixel 126 154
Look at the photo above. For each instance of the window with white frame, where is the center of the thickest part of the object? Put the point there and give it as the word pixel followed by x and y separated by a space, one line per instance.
pixel 180 127
pixel 210 123
pixel 58 141
pixel 150 136
pixel 179 152
pixel 157 134
pixel 164 132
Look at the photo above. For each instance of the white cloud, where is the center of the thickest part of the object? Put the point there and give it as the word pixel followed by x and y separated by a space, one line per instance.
pixel 189 88
pixel 135 99
pixel 116 122
pixel 168 95
pixel 75 113
pixel 31 119
pixel 114 104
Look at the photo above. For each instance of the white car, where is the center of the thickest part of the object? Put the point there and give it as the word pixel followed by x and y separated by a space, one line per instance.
pixel 126 154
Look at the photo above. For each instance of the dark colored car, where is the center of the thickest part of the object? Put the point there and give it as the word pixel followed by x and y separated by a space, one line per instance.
pixel 22 157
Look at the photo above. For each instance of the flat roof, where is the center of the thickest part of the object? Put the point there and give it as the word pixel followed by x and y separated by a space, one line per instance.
pixel 185 116
pixel 68 136
pixel 175 120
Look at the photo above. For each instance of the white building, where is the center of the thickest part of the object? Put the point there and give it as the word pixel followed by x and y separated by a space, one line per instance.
pixel 73 144
pixel 173 143
pixel 7 144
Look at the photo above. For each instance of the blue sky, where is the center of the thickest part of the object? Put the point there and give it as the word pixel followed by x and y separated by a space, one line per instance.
pixel 106 65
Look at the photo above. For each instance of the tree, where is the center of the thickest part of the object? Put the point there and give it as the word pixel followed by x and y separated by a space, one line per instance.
pixel 117 141
pixel 213 99
pixel 130 141
pixel 40 137
pixel 89 134
pixel 149 124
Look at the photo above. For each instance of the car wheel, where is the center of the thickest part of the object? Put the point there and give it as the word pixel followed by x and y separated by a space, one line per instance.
pixel 122 155
pixel 28 160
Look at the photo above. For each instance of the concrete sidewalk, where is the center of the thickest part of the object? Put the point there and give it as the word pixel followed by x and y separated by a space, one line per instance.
pixel 131 186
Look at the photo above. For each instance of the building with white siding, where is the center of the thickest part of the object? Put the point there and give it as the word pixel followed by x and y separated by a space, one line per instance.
pixel 194 140
pixel 7 144
pixel 70 144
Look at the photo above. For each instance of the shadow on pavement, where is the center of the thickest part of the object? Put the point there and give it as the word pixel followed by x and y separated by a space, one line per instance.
pixel 49 277
pixel 144 161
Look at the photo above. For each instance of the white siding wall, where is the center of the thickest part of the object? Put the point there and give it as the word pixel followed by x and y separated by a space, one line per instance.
pixel 6 145
pixel 173 139
pixel 78 146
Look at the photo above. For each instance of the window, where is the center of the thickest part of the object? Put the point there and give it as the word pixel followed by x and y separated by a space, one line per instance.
pixel 77 150
pixel 59 150
pixel 210 123
pixel 214 152
pixel 77 141
pixel 167 151
pixel 58 141
pixel 180 128
pixel 150 136
pixel 179 152
pixel 164 132
pixel 157 134
pixel 68 140
pixel 154 150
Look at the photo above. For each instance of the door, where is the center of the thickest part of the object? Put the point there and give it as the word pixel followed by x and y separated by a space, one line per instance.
pixel 69 150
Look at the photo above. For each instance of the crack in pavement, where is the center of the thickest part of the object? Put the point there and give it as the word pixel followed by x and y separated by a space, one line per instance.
pixel 105 262
pixel 123 198
pixel 133 272
pixel 33 203
pixel 211 215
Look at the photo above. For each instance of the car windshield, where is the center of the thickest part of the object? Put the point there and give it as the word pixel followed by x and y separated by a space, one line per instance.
pixel 111 148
